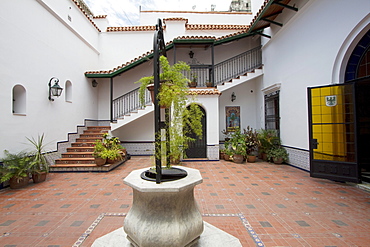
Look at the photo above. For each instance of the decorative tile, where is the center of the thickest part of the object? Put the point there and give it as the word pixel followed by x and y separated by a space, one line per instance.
pixel 302 223
pixel 265 224
pixel 339 223
pixel 42 223
pixel 8 223
pixel 77 223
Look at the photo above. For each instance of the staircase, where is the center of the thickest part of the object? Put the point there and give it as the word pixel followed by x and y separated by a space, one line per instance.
pixel 240 79
pixel 78 157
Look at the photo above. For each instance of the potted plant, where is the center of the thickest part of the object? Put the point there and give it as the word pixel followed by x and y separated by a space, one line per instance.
pixel 267 140
pixel 183 121
pixel 39 167
pixel 194 81
pixel 16 169
pixel 209 84
pixel 108 149
pixel 238 146
pixel 252 143
pixel 277 154
pixel 98 154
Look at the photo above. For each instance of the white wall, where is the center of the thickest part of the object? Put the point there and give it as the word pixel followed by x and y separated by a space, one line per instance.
pixel 36 47
pixel 246 99
pixel 302 54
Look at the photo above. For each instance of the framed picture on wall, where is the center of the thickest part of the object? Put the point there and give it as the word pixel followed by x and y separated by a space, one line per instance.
pixel 232 118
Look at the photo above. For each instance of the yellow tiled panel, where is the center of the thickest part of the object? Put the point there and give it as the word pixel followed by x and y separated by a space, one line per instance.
pixel 316 110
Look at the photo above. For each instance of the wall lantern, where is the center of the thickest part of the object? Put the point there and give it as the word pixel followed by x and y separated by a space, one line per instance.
pixel 54 90
pixel 233 97
pixel 94 83
pixel 191 54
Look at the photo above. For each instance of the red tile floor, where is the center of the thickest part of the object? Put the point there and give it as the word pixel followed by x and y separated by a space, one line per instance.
pixel 262 204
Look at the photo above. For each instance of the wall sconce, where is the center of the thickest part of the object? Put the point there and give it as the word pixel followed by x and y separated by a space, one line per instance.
pixel 94 83
pixel 233 97
pixel 191 54
pixel 54 90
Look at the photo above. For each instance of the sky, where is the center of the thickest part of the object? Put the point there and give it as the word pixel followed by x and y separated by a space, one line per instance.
pixel 126 12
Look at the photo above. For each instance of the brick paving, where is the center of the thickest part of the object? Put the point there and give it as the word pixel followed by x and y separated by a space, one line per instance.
pixel 262 204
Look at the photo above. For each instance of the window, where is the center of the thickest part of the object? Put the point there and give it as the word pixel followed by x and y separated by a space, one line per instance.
pixel 272 117
pixel 68 91
pixel 19 100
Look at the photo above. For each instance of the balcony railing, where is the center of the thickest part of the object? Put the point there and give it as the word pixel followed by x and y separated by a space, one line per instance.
pixel 226 70
pixel 204 74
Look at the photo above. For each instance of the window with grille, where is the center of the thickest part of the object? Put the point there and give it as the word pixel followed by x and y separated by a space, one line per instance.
pixel 272 117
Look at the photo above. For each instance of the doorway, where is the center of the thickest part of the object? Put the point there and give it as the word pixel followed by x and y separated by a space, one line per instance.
pixel 198 148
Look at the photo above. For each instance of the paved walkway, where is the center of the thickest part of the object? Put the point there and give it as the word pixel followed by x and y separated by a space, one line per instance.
pixel 260 203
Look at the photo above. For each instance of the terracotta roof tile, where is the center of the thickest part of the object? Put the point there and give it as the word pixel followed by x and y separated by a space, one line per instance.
pixel 215 27
pixel 212 91
pixel 87 16
pixel 175 19
pixel 131 28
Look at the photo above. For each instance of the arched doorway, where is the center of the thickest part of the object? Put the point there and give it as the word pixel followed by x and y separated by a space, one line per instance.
pixel 358 72
pixel 198 148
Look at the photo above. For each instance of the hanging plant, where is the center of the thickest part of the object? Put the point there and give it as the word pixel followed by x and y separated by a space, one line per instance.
pixel 173 93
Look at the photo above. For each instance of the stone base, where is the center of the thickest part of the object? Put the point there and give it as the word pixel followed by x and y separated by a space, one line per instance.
pixel 211 237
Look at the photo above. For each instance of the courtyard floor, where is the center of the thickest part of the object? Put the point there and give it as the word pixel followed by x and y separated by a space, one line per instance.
pixel 260 203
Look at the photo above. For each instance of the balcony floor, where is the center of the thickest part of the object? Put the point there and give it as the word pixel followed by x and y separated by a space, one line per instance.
pixel 260 203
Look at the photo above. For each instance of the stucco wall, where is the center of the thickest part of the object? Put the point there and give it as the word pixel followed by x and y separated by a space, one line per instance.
pixel 37 45
pixel 302 54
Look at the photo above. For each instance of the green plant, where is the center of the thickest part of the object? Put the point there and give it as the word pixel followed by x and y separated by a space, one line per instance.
pixel 39 163
pixel 108 148
pixel 173 88
pixel 277 152
pixel 182 122
pixel 251 140
pixel 237 143
pixel 15 166
pixel 267 139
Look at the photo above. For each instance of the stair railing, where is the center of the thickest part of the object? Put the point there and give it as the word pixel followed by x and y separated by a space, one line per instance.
pixel 128 103
pixel 238 65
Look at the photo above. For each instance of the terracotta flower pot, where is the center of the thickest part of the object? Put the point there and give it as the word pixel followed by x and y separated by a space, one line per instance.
pixel 238 158
pixel 278 160
pixel 226 157
pixel 100 161
pixel 39 177
pixel 251 158
pixel 17 183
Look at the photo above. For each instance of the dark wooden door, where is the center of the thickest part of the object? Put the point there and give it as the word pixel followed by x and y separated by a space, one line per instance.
pixel 198 148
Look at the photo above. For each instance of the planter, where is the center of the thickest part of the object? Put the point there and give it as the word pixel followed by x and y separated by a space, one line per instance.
pixel 39 177
pixel 110 161
pixel 209 84
pixel 100 161
pixel 238 158
pixel 251 158
pixel 222 155
pixel 17 183
pixel 226 157
pixel 192 84
pixel 264 156
pixel 278 160
pixel 150 87
pixel 175 161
